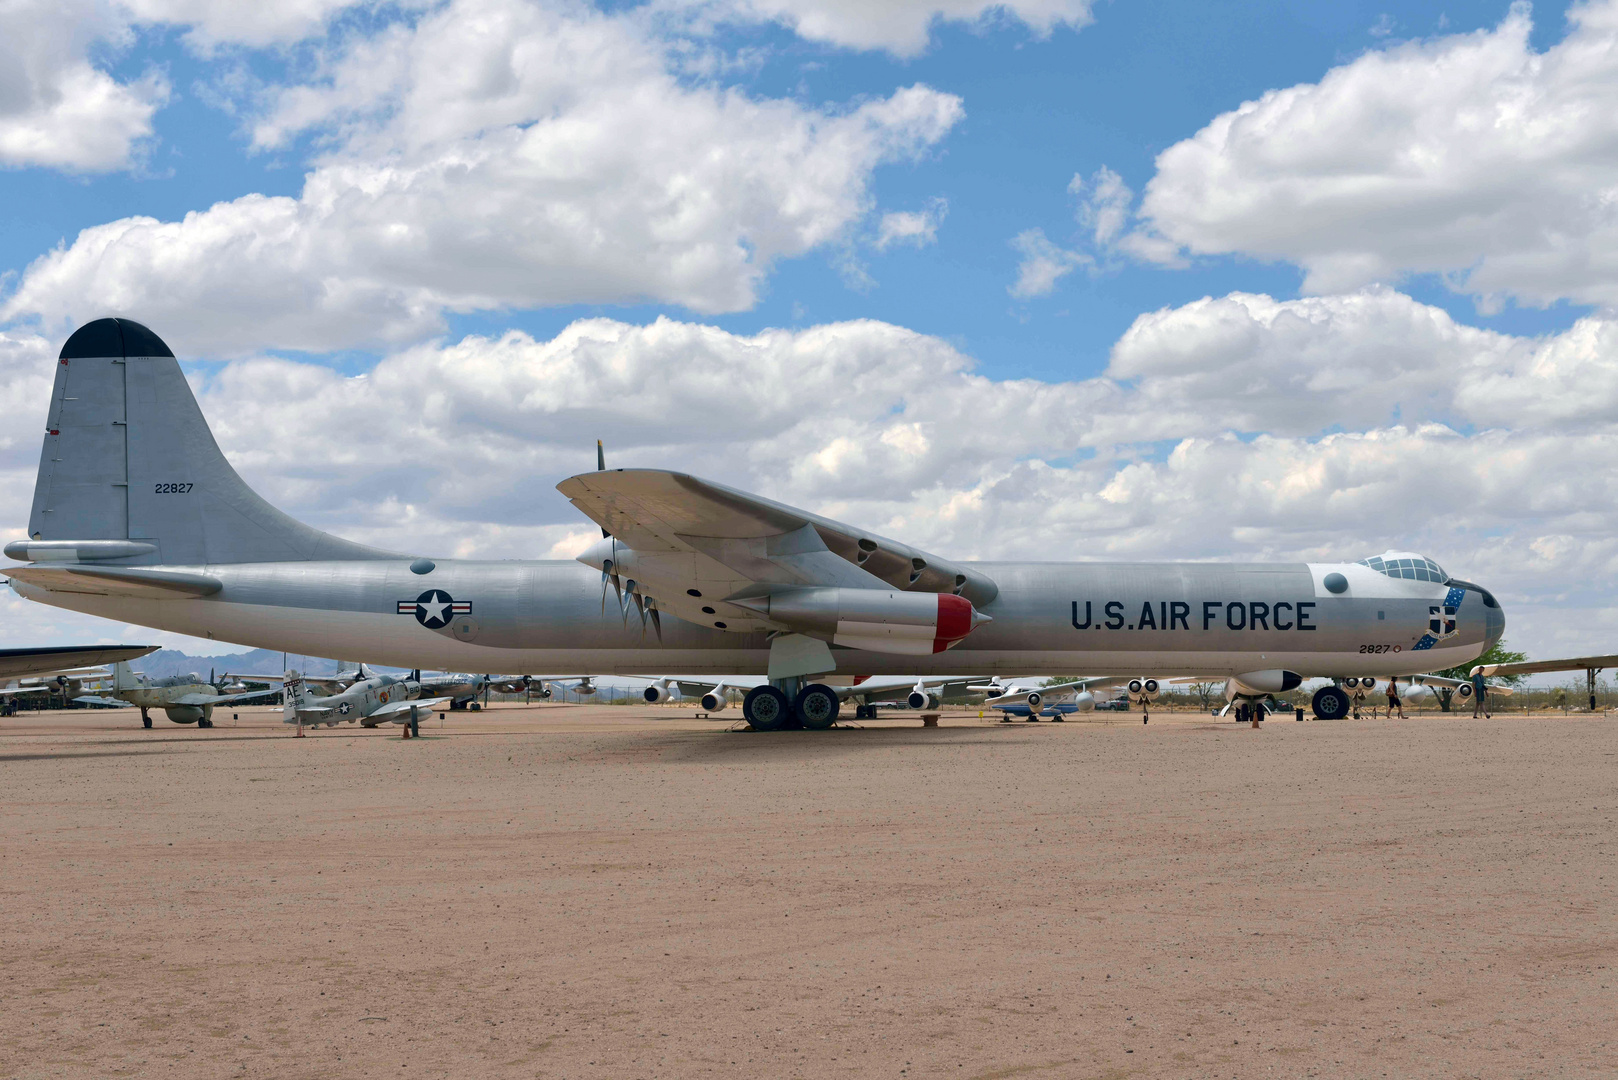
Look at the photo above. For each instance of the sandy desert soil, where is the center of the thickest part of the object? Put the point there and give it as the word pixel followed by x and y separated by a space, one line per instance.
pixel 590 892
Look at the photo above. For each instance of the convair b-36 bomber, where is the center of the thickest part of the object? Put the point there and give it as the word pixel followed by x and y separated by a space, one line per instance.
pixel 138 517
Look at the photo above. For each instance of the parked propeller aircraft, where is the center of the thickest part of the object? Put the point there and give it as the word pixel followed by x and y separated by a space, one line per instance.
pixel 376 700
pixel 1032 699
pixel 184 700
pixel 138 517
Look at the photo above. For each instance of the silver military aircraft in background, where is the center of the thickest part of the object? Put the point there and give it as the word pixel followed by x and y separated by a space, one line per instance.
pixel 138 517
pixel 369 702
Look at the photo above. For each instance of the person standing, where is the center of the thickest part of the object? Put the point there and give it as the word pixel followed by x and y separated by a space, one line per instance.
pixel 1393 700
pixel 1480 696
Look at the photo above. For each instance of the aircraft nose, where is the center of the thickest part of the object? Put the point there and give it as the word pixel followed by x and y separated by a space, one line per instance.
pixel 1494 627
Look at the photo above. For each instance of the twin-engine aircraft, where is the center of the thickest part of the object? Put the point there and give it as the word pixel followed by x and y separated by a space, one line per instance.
pixel 138 517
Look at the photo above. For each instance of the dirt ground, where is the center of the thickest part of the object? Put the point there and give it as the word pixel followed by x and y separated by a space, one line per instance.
pixel 623 892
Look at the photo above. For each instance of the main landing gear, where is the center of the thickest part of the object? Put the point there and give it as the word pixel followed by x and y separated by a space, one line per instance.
pixel 1331 703
pixel 145 717
pixel 768 708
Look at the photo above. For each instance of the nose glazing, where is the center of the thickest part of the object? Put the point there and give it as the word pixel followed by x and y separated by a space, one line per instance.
pixel 1494 626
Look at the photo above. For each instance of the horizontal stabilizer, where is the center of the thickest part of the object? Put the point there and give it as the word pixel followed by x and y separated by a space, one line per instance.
pixel 117 581
pixel 54 659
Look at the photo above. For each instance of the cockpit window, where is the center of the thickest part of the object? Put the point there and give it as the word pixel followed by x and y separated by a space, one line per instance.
pixel 1409 567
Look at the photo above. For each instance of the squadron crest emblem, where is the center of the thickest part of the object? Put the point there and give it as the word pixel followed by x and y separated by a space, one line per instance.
pixel 1441 621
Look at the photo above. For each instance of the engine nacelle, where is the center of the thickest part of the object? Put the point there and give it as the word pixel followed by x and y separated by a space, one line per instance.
pixel 922 699
pixel 1143 690
pixel 1463 693
pixel 1260 683
pixel 908 623
pixel 187 714
pixel 715 700
pixel 659 692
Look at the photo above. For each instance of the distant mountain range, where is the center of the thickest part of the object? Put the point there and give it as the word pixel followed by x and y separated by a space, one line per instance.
pixel 165 662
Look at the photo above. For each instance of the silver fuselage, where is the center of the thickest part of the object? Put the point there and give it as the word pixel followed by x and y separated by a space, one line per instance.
pixel 1048 618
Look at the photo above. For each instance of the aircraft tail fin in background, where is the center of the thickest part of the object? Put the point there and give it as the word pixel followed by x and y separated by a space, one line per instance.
pixel 128 456
pixel 124 677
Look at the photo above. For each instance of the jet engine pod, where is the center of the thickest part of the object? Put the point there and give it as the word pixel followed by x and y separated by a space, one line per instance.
pixel 1144 689
pixel 922 699
pixel 714 700
pixel 657 693
pixel 1463 693
pixel 1259 683
pixel 881 620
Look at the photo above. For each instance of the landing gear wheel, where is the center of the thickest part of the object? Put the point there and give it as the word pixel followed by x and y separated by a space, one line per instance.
pixel 1331 703
pixel 817 707
pixel 145 718
pixel 766 708
pixel 475 707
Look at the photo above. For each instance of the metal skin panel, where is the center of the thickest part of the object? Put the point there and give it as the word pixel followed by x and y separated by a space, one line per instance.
pixel 82 478
pixel 547 616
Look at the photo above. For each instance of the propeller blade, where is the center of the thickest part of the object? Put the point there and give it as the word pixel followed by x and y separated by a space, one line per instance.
pixel 601 466
pixel 657 619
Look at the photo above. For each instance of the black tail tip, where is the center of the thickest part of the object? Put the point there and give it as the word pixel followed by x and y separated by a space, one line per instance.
pixel 113 337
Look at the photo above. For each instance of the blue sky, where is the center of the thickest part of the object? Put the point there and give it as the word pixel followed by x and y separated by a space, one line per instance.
pixel 1037 111
pixel 1335 277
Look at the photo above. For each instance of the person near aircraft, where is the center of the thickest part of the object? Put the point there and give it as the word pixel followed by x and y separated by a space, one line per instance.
pixel 1480 695
pixel 1393 700
pixel 157 529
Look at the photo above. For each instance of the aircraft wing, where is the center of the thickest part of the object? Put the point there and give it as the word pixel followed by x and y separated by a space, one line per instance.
pixel 1060 692
pixel 63 659
pixel 92 699
pixel 654 511
pixel 1440 680
pixel 399 711
pixel 898 687
pixel 220 699
pixel 1535 667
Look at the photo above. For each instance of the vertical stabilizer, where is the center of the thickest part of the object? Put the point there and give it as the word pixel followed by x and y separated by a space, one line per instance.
pixel 128 456
pixel 124 677
pixel 296 694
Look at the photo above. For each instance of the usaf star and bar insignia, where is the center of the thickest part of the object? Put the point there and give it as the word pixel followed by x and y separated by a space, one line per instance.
pixel 434 608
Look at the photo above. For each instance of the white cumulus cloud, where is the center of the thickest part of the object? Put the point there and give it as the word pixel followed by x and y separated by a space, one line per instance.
pixel 915 227
pixel 901 27
pixel 57 108
pixel 1469 155
pixel 495 154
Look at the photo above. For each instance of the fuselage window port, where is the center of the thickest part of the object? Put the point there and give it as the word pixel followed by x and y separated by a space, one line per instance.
pixel 693 592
